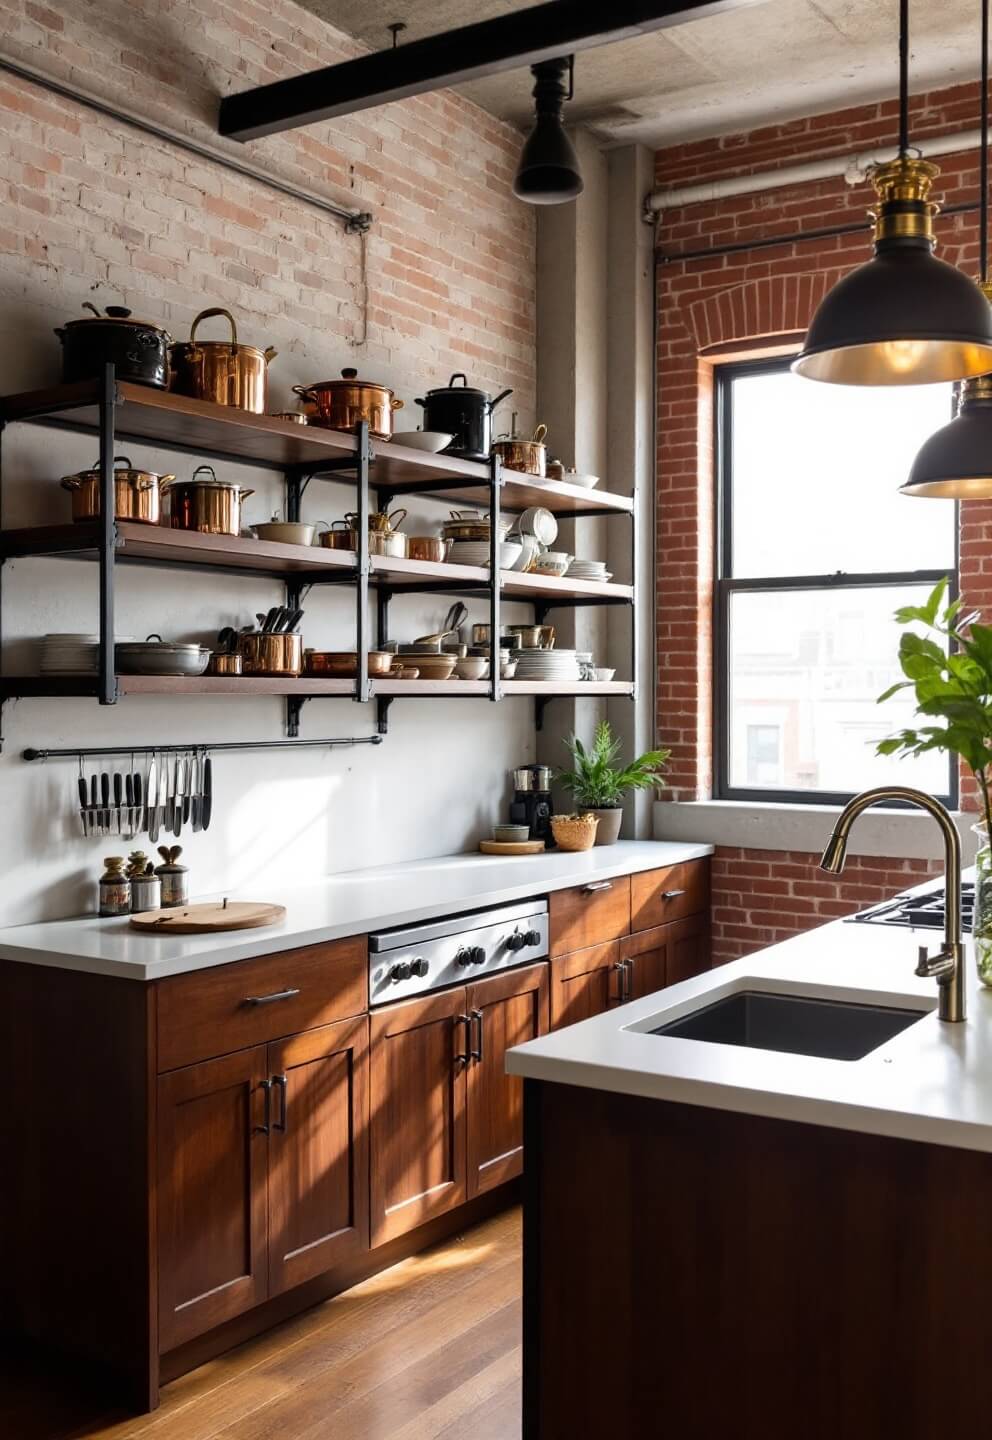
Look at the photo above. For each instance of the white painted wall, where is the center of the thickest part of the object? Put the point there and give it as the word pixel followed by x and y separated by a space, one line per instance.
pixel 433 787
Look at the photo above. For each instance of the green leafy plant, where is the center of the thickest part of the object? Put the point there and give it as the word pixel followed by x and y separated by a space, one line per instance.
pixel 951 677
pixel 597 782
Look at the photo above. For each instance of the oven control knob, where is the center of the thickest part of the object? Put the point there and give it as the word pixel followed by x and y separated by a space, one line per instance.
pixel 477 955
pixel 400 971
pixel 419 967
pixel 516 941
pixel 463 957
pixel 533 937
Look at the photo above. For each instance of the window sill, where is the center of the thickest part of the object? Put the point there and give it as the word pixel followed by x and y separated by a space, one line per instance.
pixel 747 825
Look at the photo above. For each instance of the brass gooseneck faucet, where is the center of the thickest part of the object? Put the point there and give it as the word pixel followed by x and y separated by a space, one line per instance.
pixel 947 966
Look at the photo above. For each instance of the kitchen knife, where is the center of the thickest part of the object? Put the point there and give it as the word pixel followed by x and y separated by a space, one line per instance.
pixel 195 799
pixel 163 796
pixel 137 814
pixel 188 789
pixel 151 782
pixel 95 803
pixel 105 796
pixel 118 799
pixel 179 796
pixel 208 797
pixel 83 805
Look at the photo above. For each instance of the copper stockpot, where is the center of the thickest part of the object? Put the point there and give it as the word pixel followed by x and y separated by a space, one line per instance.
pixel 211 506
pixel 137 493
pixel 389 543
pixel 263 653
pixel 526 456
pixel 343 404
pixel 428 547
pixel 221 370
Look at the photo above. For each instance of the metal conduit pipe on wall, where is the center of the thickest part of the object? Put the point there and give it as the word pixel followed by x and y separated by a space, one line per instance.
pixel 854 168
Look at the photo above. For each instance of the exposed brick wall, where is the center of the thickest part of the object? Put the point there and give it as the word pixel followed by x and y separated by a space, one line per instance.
pixel 742 302
pixel 763 896
pixel 93 210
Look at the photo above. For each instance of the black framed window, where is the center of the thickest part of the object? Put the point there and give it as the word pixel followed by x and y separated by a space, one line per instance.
pixel 816 549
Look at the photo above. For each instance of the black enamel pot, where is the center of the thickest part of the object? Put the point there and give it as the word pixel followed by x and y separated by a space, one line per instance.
pixel 466 413
pixel 139 351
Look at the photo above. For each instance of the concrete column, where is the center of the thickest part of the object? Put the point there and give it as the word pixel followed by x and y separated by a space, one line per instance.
pixel 595 367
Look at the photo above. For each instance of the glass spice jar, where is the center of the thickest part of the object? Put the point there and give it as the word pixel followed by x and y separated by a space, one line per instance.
pixel 114 888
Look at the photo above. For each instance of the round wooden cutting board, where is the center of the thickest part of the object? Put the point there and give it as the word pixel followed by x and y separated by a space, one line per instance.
pixel 203 919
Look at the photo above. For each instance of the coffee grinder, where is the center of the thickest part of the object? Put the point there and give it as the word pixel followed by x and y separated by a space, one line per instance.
pixel 531 805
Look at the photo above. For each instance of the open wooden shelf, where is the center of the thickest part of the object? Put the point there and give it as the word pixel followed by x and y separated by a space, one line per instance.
pixel 199 427
pixel 160 545
pixel 247 686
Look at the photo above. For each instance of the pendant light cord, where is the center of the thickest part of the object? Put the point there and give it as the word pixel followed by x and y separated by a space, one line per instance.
pixel 983 181
pixel 904 77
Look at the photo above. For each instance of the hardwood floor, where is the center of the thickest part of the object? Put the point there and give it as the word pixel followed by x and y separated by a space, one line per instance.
pixel 429 1350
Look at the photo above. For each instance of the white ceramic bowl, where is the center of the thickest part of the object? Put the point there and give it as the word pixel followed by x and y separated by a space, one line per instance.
pixel 430 440
pixel 552 562
pixel 602 674
pixel 473 667
pixel 286 532
pixel 588 482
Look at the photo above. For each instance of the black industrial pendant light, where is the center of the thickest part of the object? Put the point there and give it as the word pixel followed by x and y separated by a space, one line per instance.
pixel 904 317
pixel 548 173
pixel 956 462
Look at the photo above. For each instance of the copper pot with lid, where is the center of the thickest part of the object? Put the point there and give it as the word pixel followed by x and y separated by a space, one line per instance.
pixel 209 505
pixel 221 370
pixel 343 404
pixel 137 493
pixel 529 457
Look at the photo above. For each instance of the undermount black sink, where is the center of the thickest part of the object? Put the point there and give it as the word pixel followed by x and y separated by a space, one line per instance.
pixel 828 1029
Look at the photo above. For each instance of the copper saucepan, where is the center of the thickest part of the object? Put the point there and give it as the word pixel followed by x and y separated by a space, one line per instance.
pixel 344 663
pixel 527 456
pixel 221 370
pixel 263 653
pixel 137 493
pixel 209 505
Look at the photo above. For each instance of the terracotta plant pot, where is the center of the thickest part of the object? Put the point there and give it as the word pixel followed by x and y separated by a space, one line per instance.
pixel 608 830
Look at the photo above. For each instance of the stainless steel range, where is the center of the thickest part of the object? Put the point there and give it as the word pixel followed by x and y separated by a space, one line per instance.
pixel 420 958
pixel 921 912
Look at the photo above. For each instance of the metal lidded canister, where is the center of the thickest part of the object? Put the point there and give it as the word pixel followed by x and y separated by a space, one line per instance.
pixel 174 877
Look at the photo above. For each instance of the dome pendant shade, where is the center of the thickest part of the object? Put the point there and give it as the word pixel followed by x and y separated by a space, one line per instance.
pixel 548 172
pixel 904 317
pixel 956 462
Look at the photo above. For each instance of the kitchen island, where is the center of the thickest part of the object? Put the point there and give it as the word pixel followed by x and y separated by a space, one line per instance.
pixel 726 1240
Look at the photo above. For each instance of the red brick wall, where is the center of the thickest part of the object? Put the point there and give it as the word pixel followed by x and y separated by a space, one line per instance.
pixel 93 210
pixel 743 302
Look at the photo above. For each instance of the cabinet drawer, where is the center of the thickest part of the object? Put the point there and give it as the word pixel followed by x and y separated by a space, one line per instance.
pixel 660 896
pixel 213 1012
pixel 589 915
pixel 584 983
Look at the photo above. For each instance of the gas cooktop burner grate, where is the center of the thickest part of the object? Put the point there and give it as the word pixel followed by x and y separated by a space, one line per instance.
pixel 921 912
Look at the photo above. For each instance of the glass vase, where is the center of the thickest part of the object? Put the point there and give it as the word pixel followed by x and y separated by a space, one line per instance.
pixel 982 923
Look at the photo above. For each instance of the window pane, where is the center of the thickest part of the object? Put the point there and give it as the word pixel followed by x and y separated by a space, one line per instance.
pixel 815 478
pixel 806 670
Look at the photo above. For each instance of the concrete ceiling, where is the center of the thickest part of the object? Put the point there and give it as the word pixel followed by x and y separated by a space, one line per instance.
pixel 774 61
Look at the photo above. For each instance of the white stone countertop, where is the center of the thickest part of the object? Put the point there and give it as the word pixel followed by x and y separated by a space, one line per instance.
pixel 351 903
pixel 932 1082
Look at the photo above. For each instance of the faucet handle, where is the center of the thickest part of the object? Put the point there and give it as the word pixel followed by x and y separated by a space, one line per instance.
pixel 941 964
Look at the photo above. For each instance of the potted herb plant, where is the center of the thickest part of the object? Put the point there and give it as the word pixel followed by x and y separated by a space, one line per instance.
pixel 949 669
pixel 598 783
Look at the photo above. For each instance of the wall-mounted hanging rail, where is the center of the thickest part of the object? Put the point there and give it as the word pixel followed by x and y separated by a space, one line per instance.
pixel 76 752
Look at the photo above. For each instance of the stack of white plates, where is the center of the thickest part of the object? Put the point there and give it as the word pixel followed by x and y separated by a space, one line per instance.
pixel 67 654
pixel 476 552
pixel 558 665
pixel 588 570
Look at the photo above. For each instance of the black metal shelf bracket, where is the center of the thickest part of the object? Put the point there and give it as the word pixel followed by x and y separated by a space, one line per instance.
pixel 382 704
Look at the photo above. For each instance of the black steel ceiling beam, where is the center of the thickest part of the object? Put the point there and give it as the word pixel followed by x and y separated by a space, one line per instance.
pixel 508 42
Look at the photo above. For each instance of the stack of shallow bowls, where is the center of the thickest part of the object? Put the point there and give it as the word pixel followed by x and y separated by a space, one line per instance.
pixel 476 552
pixel 432 664
pixel 560 665
pixel 588 570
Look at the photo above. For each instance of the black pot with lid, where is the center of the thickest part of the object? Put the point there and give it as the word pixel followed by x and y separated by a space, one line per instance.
pixel 138 350
pixel 466 413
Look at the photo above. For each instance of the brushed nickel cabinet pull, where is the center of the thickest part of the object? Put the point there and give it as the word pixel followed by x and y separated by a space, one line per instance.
pixel 282 1084
pixel 595 885
pixel 265 1127
pixel 671 894
pixel 477 1019
pixel 270 999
